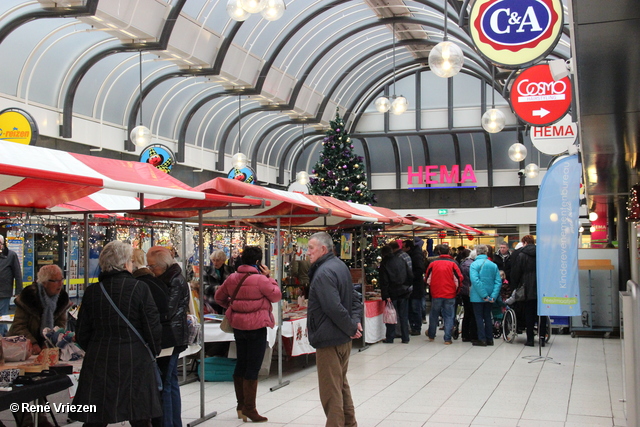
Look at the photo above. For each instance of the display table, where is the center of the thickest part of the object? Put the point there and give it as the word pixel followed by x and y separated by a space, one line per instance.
pixel 31 392
pixel 374 328
pixel 213 333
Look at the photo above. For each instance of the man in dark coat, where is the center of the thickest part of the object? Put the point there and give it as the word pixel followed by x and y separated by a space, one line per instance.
pixel 10 272
pixel 503 260
pixel 395 285
pixel 164 266
pixel 416 301
pixel 523 273
pixel 334 319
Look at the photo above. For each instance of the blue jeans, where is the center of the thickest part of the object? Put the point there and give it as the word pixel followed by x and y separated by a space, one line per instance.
pixel 482 311
pixel 446 306
pixel 171 403
pixel 415 313
pixel 4 309
pixel 402 311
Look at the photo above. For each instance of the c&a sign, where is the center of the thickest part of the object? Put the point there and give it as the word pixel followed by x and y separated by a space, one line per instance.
pixel 440 174
pixel 17 125
pixel 515 33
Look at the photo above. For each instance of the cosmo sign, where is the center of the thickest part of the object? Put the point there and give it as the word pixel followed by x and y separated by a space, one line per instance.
pixel 515 33
pixel 440 174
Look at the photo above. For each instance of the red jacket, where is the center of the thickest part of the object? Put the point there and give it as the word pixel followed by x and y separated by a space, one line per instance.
pixel 252 307
pixel 441 275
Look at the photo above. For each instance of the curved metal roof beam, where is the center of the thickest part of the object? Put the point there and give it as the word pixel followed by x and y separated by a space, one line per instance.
pixel 276 148
pixel 88 9
pixel 300 150
pixel 396 158
pixel 256 147
pixel 161 44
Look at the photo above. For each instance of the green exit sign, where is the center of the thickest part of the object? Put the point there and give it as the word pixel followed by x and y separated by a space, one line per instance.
pixel 443 211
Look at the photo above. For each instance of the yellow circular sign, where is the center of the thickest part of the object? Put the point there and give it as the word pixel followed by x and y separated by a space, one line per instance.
pixel 17 126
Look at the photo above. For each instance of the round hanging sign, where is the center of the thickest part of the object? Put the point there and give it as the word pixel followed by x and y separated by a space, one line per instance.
pixel 515 33
pixel 17 125
pixel 556 138
pixel 246 174
pixel 537 99
pixel 159 156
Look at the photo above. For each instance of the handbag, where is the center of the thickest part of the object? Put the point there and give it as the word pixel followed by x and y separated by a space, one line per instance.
pixel 520 296
pixel 225 326
pixel 389 315
pixel 153 358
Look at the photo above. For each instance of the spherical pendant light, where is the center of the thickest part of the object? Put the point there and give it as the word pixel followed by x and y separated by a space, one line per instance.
pixel 446 59
pixel 399 105
pixel 235 11
pixel 517 152
pixel 302 178
pixel 253 6
pixel 383 104
pixel 140 136
pixel 531 170
pixel 493 120
pixel 239 160
pixel 273 10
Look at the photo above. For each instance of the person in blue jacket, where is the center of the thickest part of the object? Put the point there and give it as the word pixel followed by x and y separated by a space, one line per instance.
pixel 485 288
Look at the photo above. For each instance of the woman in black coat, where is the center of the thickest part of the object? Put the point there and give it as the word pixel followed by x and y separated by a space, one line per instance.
pixel 118 374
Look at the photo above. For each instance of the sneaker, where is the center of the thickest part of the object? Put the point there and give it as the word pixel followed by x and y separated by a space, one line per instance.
pixel 479 343
pixel 405 342
pixel 447 343
pixel 490 342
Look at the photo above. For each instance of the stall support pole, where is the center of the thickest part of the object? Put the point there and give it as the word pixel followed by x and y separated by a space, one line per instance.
pixel 363 241
pixel 68 288
pixel 183 249
pixel 203 417
pixel 86 252
pixel 280 263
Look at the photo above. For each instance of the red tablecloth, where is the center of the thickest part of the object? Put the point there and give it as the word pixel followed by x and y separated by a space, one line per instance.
pixel 373 308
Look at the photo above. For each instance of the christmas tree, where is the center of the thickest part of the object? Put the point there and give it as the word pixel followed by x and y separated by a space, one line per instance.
pixel 340 173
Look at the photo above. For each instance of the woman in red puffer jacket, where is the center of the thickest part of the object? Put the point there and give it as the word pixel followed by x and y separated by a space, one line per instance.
pixel 249 314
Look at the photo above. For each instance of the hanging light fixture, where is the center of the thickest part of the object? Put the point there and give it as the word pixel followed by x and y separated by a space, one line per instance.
pixel 140 135
pixel 399 104
pixel 517 152
pixel 531 170
pixel 239 160
pixel 240 10
pixel 493 120
pixel 302 178
pixel 446 58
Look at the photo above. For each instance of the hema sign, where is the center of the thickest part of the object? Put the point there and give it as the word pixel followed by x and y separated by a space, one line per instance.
pixel 440 174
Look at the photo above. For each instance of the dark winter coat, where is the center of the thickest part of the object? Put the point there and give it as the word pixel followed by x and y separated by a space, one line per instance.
pixel 465 266
pixel 212 279
pixel 335 308
pixel 159 293
pixel 28 316
pixel 418 268
pixel 396 277
pixel 504 263
pixel 9 271
pixel 523 272
pixel 118 375
pixel 178 301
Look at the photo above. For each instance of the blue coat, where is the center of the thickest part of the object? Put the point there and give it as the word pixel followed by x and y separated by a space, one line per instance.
pixel 485 279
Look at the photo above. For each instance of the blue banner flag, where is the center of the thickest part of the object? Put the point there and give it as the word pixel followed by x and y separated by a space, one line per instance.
pixel 557 239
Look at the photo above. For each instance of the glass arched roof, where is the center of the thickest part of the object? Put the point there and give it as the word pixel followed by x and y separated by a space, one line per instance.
pixel 81 59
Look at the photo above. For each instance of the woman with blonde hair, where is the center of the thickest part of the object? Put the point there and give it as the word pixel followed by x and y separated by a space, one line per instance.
pixel 214 275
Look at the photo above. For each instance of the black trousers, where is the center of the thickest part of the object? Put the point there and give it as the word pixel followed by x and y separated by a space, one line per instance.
pixel 469 328
pixel 531 317
pixel 250 346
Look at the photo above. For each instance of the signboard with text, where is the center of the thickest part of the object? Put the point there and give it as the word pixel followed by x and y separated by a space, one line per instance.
pixel 515 33
pixel 539 100
pixel 556 138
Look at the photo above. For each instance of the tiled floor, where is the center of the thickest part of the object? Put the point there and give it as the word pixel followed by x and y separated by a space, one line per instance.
pixel 430 384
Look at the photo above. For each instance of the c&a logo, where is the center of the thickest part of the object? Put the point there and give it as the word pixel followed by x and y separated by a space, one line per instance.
pixel 514 33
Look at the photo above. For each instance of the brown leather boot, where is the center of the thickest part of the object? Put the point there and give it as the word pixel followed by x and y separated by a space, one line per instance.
pixel 239 387
pixel 249 409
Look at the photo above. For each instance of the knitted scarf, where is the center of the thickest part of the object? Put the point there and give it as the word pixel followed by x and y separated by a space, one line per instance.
pixel 49 305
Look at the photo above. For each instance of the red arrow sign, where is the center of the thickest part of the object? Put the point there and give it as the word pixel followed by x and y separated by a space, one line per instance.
pixel 539 100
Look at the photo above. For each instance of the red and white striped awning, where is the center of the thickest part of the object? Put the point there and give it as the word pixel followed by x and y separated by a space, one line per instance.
pixel 41 178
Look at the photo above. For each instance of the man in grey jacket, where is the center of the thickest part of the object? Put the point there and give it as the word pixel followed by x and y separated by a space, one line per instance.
pixel 333 319
pixel 9 271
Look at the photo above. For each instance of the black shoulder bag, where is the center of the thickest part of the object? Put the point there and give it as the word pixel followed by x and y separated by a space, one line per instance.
pixel 153 358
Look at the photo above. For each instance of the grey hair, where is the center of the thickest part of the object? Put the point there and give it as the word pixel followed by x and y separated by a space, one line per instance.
pixel 46 272
pixel 1 239
pixel 482 249
pixel 218 254
pixel 473 254
pixel 115 256
pixel 161 255
pixel 324 239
